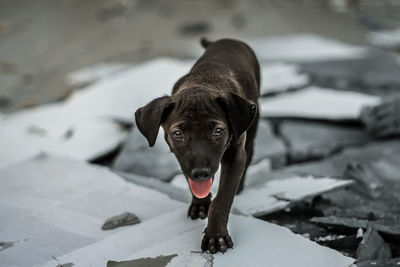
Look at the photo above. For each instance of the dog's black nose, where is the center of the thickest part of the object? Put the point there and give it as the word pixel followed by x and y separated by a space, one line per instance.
pixel 200 173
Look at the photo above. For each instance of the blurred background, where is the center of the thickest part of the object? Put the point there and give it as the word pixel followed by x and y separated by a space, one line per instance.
pixel 43 41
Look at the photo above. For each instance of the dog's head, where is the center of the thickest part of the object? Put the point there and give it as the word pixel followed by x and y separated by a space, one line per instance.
pixel 199 125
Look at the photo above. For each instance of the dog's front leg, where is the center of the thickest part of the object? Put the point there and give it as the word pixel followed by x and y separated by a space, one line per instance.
pixel 216 237
pixel 199 207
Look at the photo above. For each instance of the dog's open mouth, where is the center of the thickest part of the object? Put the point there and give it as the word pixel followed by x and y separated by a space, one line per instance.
pixel 200 189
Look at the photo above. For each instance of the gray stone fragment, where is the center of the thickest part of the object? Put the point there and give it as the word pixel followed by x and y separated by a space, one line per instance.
pixel 137 157
pixel 267 145
pixel 376 263
pixel 159 261
pixel 126 218
pixel 389 225
pixel 378 69
pixel 315 140
pixel 373 247
pixel 382 157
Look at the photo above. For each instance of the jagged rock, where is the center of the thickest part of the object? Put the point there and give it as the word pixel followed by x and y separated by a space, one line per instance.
pixel 268 146
pixel 381 157
pixel 138 158
pixel 126 218
pixel 377 69
pixel 388 225
pixel 315 140
pixel 380 263
pixel 373 247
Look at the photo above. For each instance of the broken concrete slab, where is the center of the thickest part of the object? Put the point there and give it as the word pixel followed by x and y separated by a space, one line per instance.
pixel 137 157
pixel 389 39
pixel 83 126
pixel 57 205
pixel 178 235
pixel 382 154
pixel 380 263
pixel 317 103
pixel 388 225
pixel 279 194
pixel 375 73
pixel 303 47
pixel 309 140
pixel 268 146
pixel 280 77
pixel 373 247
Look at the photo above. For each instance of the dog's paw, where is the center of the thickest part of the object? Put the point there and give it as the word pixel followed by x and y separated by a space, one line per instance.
pixel 216 243
pixel 198 211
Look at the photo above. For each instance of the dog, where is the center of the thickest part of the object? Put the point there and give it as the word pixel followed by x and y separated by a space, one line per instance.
pixel 210 119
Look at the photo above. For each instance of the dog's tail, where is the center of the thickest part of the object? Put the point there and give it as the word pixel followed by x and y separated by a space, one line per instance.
pixel 204 42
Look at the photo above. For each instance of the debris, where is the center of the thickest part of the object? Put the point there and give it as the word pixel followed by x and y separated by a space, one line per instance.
pixel 278 194
pixel 126 218
pixel 360 233
pixel 378 263
pixel 6 245
pixel 317 103
pixel 373 247
pixel 65 202
pixel 137 157
pixel 376 73
pixel 389 39
pixel 310 140
pixel 173 233
pixel 388 225
pixel 95 132
pixel 159 261
pixel 281 77
pixel 303 47
pixel 367 181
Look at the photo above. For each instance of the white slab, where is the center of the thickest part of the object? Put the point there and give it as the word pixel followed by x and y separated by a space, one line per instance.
pixel 279 77
pixel 256 243
pixel 94 73
pixel 54 205
pixel 302 48
pixel 88 113
pixel 317 103
pixel 278 194
pixel 385 39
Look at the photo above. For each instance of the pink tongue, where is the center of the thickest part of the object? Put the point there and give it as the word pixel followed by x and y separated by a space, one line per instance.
pixel 200 189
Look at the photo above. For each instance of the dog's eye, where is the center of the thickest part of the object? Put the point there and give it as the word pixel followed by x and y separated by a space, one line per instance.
pixel 177 135
pixel 218 132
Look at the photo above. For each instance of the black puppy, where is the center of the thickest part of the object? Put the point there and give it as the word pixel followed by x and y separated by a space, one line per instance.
pixel 210 118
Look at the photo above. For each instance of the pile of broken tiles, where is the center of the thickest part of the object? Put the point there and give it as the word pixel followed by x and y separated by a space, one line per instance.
pixel 60 209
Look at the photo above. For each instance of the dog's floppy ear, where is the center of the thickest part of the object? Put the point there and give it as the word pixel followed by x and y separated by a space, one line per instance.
pixel 240 113
pixel 148 118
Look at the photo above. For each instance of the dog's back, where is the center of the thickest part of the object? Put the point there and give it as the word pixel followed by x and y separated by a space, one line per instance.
pixel 226 65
